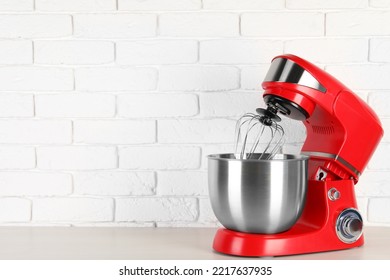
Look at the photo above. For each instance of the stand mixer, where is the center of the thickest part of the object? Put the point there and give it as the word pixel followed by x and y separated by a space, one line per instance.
pixel 342 134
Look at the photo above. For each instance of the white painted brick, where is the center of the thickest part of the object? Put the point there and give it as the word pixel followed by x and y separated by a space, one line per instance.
pixel 380 3
pixel 198 78
pixel 157 105
pixel 73 52
pixel 159 5
pixel 35 184
pixel 114 183
pixel 73 209
pixel 182 183
pixel 113 79
pixel 159 157
pixel 380 103
pixel 16 52
pixel 386 127
pixel 114 132
pixel 196 131
pixel 199 24
pixel 253 76
pixel 115 25
pixel 16 105
pixel 282 24
pixel 157 52
pixel 76 158
pixel 229 104
pixel 13 157
pixel 156 209
pixel 206 213
pixel 82 105
pixel 329 50
pixel 380 159
pixel 363 208
pixel 239 51
pixel 373 183
pixel 35 26
pixel 35 131
pixel 329 4
pixel 358 23
pixel 379 210
pixel 75 5
pixel 242 4
pixel 355 75
pixel 14 209
pixel 115 224
pixel 380 49
pixel 210 149
pixel 35 78
pixel 16 5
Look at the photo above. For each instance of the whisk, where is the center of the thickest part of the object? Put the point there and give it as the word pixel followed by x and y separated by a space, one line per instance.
pixel 250 129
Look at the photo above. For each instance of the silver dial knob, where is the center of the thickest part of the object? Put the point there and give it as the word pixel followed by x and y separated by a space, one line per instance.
pixel 349 225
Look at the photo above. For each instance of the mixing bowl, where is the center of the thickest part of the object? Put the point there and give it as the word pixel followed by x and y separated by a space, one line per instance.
pixel 257 196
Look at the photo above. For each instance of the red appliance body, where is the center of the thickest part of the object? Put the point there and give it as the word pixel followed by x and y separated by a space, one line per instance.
pixel 342 134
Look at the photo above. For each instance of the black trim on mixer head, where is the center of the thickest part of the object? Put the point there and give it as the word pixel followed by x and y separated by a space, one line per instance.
pixel 286 107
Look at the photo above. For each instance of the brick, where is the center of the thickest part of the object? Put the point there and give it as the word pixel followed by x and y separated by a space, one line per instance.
pixel 386 127
pixel 198 78
pixel 35 26
pixel 114 79
pixel 16 52
pixel 35 78
pixel 206 213
pixel 73 209
pixel 282 24
pixel 380 103
pixel 253 76
pixel 371 23
pixel 157 105
pixel 156 52
pixel 199 24
pixel 380 49
pixel 14 157
pixel 24 183
pixel 239 51
pixel 330 4
pixel 114 132
pixel 373 183
pixel 380 3
pixel 156 209
pixel 82 105
pixel 380 159
pixel 229 104
pixel 196 131
pixel 158 5
pixel 159 157
pixel 354 75
pixel 16 105
pixel 76 158
pixel 14 209
pixel 75 5
pixel 35 131
pixel 19 5
pixel 182 183
pixel 379 210
pixel 73 52
pixel 115 25
pixel 243 4
pixel 112 183
pixel 329 50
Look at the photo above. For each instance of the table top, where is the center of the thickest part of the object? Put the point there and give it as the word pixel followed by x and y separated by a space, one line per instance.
pixel 117 243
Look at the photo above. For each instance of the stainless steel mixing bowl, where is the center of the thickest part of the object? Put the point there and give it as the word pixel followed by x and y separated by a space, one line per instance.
pixel 257 196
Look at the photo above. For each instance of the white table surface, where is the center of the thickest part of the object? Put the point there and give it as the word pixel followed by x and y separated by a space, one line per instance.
pixel 150 243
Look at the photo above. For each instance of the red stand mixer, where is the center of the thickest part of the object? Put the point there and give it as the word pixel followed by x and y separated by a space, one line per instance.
pixel 342 134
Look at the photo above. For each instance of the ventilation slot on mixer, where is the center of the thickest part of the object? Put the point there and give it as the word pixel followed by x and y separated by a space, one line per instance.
pixel 323 129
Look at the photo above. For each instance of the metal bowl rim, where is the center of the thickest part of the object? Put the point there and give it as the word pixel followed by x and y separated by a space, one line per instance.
pixel 295 157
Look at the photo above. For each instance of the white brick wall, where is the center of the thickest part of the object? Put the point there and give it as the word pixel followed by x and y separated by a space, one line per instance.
pixel 108 108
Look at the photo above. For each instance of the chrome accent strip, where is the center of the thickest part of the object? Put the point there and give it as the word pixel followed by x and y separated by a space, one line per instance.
pixel 335 157
pixel 287 71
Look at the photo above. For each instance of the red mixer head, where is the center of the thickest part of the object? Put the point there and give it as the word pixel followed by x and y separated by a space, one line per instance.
pixel 342 131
